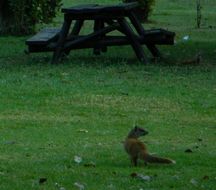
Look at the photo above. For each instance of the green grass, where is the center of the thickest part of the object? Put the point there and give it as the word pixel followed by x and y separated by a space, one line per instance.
pixel 45 110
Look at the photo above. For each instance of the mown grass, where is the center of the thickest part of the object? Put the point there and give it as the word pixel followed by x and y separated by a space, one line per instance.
pixel 87 105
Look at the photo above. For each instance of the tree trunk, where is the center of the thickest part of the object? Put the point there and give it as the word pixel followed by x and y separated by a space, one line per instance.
pixel 1 5
pixel 199 15
pixel 6 17
pixel 2 2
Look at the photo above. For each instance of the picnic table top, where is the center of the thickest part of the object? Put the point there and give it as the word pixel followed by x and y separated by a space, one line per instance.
pixel 96 9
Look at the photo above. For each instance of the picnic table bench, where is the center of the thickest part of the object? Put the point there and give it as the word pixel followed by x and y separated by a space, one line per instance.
pixel 107 18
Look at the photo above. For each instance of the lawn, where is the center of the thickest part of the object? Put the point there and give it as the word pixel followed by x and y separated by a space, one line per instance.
pixel 85 107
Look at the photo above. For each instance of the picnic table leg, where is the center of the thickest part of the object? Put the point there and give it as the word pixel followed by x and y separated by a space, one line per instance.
pixel 154 50
pixel 136 23
pixel 75 31
pixel 62 38
pixel 141 31
pixel 133 40
pixel 102 25
pixel 77 27
pixel 98 25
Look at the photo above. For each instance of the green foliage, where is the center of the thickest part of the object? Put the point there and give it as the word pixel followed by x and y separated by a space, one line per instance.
pixel 145 9
pixel 25 14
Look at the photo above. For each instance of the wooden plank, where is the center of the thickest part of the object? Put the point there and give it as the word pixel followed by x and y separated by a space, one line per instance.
pixel 160 36
pixel 152 37
pixel 119 9
pixel 155 36
pixel 44 37
pixel 79 8
pixel 108 41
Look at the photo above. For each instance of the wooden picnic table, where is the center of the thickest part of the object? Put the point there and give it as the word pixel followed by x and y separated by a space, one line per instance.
pixel 107 18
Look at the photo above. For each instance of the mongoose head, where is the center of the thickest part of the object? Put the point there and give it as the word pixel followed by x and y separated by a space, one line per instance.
pixel 137 132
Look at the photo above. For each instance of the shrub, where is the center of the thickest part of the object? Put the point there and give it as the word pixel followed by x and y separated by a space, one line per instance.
pixel 21 16
pixel 145 8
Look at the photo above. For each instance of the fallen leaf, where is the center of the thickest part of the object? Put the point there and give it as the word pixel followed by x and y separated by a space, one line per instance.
pixel 188 150
pixel 114 173
pixel 10 142
pixel 196 146
pixel 91 164
pixel 140 176
pixel 59 187
pixel 124 93
pixel 192 61
pixel 206 177
pixel 83 130
pixel 144 177
pixel 77 159
pixel 133 174
pixel 79 185
pixel 42 180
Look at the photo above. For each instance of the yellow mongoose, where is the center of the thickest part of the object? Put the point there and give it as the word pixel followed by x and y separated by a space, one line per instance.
pixel 137 149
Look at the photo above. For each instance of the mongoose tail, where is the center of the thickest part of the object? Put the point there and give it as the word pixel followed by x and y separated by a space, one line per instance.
pixel 154 159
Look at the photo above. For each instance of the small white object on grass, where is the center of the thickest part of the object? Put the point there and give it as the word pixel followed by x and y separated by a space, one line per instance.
pixel 144 177
pixel 186 38
pixel 83 130
pixel 194 182
pixel 77 159
pixel 80 186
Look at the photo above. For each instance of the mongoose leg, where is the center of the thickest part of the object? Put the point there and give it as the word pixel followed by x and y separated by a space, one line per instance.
pixel 134 160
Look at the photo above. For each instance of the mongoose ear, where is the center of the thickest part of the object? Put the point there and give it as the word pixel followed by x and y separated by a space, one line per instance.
pixel 135 127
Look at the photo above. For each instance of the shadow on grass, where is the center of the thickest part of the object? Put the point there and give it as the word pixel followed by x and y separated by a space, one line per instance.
pixel 172 56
